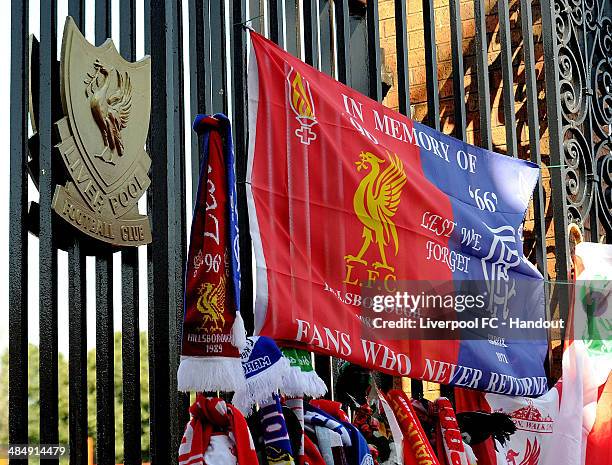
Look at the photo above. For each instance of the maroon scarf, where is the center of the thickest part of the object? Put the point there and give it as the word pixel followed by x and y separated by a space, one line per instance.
pixel 213 331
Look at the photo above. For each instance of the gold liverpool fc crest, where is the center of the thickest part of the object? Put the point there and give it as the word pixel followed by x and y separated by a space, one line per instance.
pixel 107 103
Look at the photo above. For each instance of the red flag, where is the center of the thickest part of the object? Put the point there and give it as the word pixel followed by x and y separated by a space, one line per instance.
pixel 348 201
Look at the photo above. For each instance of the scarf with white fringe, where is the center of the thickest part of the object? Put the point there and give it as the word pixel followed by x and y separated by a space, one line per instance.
pixel 213 330
pixel 265 370
pixel 302 379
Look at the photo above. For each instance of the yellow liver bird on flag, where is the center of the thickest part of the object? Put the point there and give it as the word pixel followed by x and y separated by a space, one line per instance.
pixel 375 202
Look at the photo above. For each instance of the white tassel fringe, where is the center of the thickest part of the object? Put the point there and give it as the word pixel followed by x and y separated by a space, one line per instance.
pixel 299 383
pixel 238 332
pixel 261 386
pixel 197 374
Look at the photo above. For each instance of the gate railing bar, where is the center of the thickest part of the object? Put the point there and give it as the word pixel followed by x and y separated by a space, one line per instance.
pixel 159 31
pixel 341 30
pixel 216 78
pixel 505 38
pixel 127 29
pixel 458 70
pixel 277 20
pixel 433 104
pixel 374 70
pixel 416 388
pixel 18 229
pixel 130 350
pixel 76 9
pixel 77 361
pixel 214 47
pixel 105 366
pixel 103 21
pixel 311 47
pixel 539 208
pixel 322 363
pixel 459 103
pixel 586 39
pixel 555 118
pixel 403 90
pixel 557 176
pixel 323 367
pixel 256 16
pixel 77 353
pixel 197 71
pixel 77 321
pixel 311 43
pixel 179 404
pixel 343 38
pixel 560 294
pixel 375 83
pixel 482 72
pixel 239 44
pixel 47 240
pixel 533 122
pixel 130 324
pixel 431 66
pixel 105 343
pixel 401 48
pixel 292 28
pixel 326 60
pixel 326 37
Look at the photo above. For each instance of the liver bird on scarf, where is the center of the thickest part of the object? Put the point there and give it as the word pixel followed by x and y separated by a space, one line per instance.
pixel 211 302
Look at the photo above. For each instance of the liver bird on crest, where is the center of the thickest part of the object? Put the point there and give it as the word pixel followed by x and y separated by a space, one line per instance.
pixel 110 111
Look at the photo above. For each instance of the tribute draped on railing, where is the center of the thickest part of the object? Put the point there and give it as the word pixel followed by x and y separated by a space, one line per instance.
pixel 348 198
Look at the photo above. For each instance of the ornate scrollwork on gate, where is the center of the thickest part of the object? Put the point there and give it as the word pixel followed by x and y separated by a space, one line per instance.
pixel 584 36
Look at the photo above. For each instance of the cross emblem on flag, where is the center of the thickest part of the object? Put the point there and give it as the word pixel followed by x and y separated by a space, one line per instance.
pixel 305 134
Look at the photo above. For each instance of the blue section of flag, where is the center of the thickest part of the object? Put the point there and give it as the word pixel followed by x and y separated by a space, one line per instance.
pixel 489 194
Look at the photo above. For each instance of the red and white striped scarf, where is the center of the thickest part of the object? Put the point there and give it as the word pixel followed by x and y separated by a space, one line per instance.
pixel 416 447
pixel 449 442
pixel 210 418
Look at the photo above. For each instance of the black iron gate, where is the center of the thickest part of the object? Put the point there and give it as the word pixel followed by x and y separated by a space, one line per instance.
pixel 340 37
